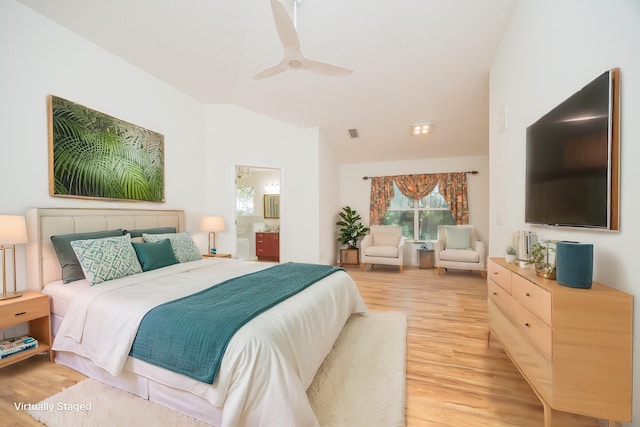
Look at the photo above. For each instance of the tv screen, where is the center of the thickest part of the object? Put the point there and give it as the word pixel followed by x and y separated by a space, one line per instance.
pixel 572 160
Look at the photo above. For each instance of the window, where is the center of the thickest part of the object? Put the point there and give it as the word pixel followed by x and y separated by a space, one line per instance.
pixel 244 201
pixel 419 219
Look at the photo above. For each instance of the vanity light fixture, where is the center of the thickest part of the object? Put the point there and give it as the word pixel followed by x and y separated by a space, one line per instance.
pixel 420 128
pixel 272 188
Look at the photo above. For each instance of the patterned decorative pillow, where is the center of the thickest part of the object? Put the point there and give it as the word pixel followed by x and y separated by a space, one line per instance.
pixel 106 259
pixel 183 245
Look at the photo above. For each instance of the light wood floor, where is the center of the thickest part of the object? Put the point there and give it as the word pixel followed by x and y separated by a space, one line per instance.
pixel 454 378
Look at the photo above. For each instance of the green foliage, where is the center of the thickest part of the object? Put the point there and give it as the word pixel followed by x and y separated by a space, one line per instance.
pixel 96 155
pixel 543 257
pixel 351 229
pixel 511 251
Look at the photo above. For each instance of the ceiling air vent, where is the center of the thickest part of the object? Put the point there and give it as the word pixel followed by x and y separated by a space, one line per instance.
pixel 353 133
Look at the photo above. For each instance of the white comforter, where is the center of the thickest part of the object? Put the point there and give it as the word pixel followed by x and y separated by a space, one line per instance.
pixel 269 363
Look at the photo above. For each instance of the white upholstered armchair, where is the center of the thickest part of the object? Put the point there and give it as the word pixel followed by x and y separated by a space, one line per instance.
pixel 458 247
pixel 383 245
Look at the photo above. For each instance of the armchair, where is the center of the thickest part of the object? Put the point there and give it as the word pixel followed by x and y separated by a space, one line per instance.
pixel 383 245
pixel 457 247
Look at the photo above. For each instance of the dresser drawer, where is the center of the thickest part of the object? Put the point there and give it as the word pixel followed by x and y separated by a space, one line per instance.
pixel 19 311
pixel 500 275
pixel 534 298
pixel 538 333
pixel 503 300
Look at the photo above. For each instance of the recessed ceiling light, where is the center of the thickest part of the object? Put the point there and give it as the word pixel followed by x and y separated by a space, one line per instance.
pixel 420 128
pixel 353 133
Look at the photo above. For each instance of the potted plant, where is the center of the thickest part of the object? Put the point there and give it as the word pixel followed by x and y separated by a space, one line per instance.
pixel 511 254
pixel 543 257
pixel 351 230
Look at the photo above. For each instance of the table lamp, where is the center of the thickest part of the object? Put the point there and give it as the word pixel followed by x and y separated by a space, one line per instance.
pixel 13 231
pixel 212 224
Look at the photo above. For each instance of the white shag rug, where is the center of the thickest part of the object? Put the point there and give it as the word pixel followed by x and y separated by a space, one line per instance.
pixel 360 383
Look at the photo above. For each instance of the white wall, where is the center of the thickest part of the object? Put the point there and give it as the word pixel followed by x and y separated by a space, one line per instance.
pixel 40 58
pixel 329 203
pixel 234 136
pixel 202 143
pixel 355 192
pixel 549 51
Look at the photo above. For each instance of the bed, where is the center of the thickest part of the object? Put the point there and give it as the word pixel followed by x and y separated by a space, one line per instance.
pixel 268 363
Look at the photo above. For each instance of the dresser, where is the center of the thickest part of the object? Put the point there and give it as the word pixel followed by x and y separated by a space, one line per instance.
pixel 268 246
pixel 573 346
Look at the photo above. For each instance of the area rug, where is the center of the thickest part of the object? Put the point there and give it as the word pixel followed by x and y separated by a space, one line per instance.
pixel 360 383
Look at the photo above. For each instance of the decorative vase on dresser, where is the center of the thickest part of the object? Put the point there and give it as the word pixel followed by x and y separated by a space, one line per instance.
pixel 573 346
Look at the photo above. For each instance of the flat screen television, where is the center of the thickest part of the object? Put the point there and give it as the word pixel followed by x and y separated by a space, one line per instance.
pixel 572 168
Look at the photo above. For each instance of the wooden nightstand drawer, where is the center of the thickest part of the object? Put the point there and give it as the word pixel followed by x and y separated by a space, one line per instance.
pixel 23 309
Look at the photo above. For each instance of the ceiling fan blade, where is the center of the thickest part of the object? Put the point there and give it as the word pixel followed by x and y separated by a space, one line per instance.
pixel 271 71
pixel 286 30
pixel 327 69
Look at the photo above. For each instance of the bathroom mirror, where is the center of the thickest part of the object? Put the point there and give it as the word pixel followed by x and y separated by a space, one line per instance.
pixel 272 206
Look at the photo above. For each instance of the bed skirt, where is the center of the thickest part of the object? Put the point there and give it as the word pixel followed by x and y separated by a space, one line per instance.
pixel 140 385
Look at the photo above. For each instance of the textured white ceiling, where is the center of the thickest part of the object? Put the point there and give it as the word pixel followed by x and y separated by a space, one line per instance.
pixel 413 60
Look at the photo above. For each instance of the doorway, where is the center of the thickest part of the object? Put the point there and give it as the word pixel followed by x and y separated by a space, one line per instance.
pixel 257 213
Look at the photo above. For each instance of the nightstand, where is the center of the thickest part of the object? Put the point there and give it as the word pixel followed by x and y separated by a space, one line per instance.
pixel 32 307
pixel 425 257
pixel 218 255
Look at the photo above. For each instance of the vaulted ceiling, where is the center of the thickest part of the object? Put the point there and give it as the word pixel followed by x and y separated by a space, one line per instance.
pixel 413 61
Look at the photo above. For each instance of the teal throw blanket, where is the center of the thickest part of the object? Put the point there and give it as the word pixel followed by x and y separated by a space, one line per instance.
pixel 190 335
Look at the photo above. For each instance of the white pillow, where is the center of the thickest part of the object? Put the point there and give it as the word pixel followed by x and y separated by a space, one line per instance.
pixel 386 239
pixel 458 237
pixel 183 245
pixel 107 258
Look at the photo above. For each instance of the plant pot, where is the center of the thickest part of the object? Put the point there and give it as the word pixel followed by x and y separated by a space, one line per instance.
pixel 510 258
pixel 349 257
pixel 547 274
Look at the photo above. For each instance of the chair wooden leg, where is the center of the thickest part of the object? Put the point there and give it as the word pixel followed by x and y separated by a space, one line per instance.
pixel 439 271
pixel 401 269
pixel 364 265
pixel 484 274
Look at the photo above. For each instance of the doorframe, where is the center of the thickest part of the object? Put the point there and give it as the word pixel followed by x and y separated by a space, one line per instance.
pixel 258 202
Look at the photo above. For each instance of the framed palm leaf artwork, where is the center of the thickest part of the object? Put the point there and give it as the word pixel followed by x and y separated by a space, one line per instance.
pixel 96 156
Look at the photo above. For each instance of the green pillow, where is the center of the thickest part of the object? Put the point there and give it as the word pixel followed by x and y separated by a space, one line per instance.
pixel 71 269
pixel 155 255
pixel 183 245
pixel 157 230
pixel 458 238
pixel 106 259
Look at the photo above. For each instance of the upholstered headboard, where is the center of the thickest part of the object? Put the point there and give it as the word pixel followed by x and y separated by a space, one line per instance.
pixel 42 263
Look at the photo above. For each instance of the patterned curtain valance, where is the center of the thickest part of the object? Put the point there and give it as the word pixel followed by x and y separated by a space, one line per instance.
pixel 453 187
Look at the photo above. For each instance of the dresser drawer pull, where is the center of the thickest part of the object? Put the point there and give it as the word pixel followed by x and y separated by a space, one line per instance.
pixel 20 314
pixel 495 293
pixel 527 325
pixel 528 294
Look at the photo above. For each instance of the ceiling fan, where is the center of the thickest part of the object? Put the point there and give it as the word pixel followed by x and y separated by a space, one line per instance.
pixel 293 59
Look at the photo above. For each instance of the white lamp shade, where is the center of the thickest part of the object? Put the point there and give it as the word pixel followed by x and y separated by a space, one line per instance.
pixel 13 230
pixel 212 223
